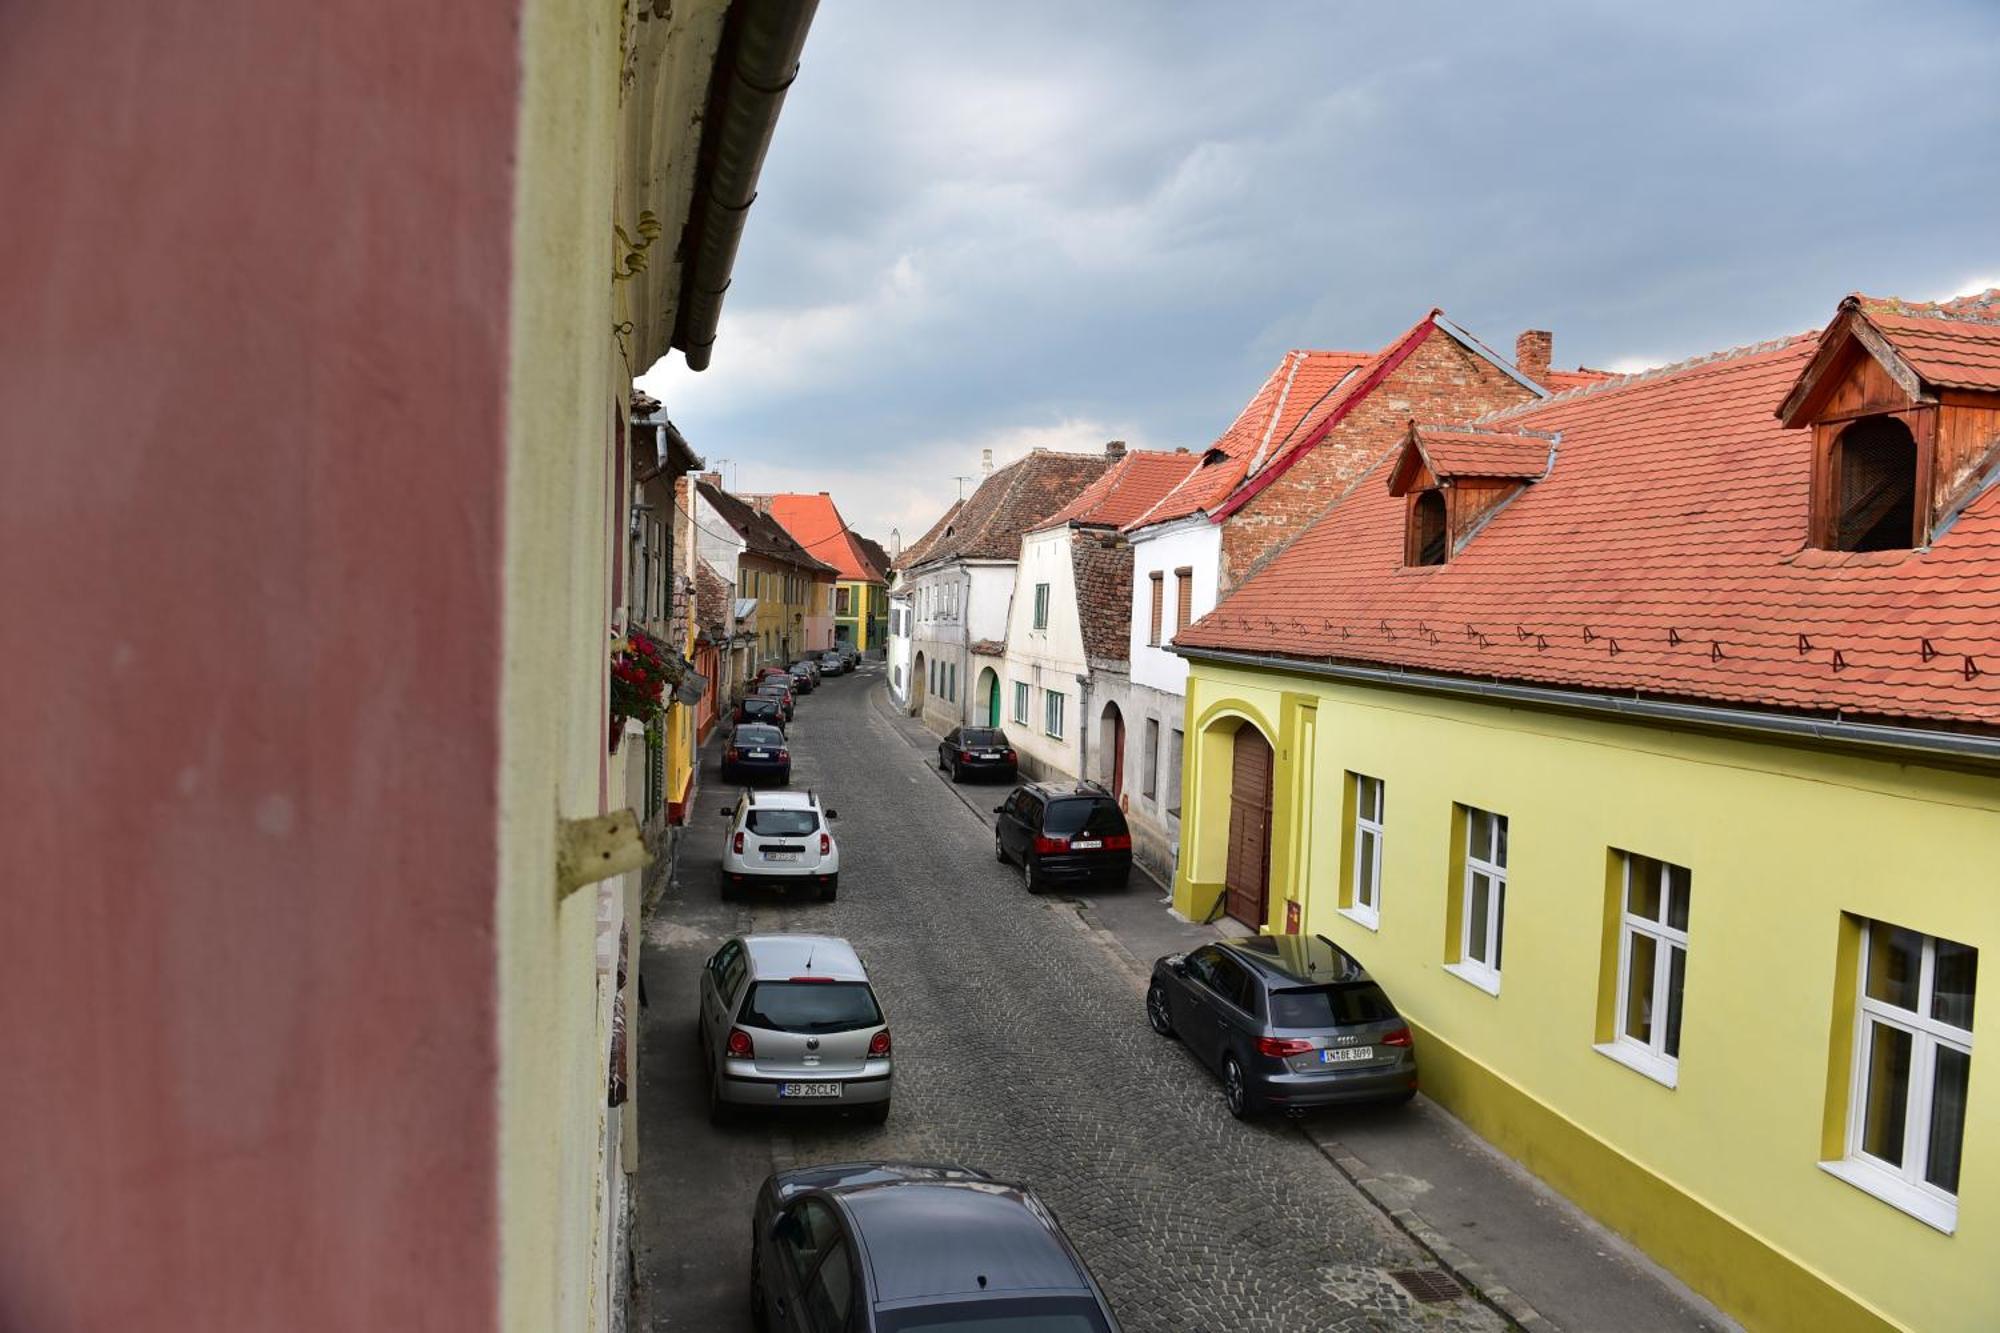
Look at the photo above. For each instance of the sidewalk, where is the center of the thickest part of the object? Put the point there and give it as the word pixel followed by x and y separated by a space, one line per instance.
pixel 1532 1254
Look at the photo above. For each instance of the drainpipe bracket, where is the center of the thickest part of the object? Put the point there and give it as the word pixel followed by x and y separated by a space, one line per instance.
pixel 597 848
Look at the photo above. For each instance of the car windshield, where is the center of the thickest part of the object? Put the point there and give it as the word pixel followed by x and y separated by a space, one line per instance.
pixel 1089 815
pixel 780 823
pixel 1330 1006
pixel 810 1006
pixel 983 738
pixel 1035 1314
pixel 748 735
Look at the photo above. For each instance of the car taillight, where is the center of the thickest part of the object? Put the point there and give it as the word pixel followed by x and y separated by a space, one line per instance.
pixel 738 844
pixel 965 755
pixel 878 1045
pixel 1400 1037
pixel 1045 845
pixel 740 1047
pixel 825 844
pixel 732 753
pixel 785 755
pixel 1012 758
pixel 1282 1046
pixel 1118 842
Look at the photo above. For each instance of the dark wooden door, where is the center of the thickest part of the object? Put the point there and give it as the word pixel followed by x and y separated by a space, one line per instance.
pixel 1247 882
pixel 1117 739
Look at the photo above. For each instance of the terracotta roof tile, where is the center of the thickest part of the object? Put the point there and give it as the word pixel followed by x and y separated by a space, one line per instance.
pixel 711 604
pixel 1951 344
pixel 762 534
pixel 1128 488
pixel 1556 381
pixel 815 523
pixel 1661 554
pixel 1459 452
pixel 1011 501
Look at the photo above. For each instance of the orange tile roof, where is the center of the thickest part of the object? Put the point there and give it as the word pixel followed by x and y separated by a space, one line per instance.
pixel 816 524
pixel 1661 554
pixel 1452 451
pixel 1951 344
pixel 1556 381
pixel 1128 488
pixel 1300 384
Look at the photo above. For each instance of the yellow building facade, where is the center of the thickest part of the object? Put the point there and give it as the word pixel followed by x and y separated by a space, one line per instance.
pixel 1714 1164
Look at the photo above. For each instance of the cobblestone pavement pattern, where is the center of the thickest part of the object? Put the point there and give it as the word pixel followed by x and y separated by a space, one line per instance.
pixel 1022 1049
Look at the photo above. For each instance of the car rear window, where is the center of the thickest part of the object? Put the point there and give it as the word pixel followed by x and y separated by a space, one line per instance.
pixel 1083 815
pixel 780 823
pixel 982 738
pixel 1330 1006
pixel 810 1006
pixel 754 735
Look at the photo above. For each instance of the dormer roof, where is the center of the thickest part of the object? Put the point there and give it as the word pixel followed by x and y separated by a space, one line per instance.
pixel 1433 455
pixel 1922 346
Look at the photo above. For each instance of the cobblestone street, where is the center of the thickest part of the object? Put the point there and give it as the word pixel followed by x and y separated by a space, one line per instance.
pixel 1021 1049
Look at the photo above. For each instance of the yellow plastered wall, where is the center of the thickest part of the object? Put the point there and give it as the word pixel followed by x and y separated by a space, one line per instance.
pixel 1717 1177
pixel 564 380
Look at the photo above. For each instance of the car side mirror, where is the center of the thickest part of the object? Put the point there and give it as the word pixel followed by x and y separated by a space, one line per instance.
pixel 833 814
pixel 999 809
pixel 725 812
pixel 1177 966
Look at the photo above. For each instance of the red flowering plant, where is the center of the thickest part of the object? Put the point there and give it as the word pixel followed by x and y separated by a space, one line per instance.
pixel 641 671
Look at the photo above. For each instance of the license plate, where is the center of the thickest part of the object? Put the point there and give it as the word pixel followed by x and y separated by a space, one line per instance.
pixel 760 754
pixel 781 856
pixel 808 1089
pixel 987 754
pixel 1347 1056
pixel 1089 846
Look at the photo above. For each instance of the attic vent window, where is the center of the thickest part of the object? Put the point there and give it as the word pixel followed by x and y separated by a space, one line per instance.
pixel 1874 481
pixel 1427 539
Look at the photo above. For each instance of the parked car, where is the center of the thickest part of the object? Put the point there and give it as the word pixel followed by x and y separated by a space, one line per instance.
pixel 757 752
pixel 781 690
pixel 804 679
pixel 1287 1021
pixel 894 1247
pixel 780 838
pixel 760 708
pixel 790 1020
pixel 849 654
pixel 982 752
pixel 1064 833
pixel 832 664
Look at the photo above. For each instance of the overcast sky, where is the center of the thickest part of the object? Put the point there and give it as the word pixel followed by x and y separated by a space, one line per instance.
pixel 1043 223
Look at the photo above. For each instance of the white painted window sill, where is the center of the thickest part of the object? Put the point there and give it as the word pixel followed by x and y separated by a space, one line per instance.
pixel 1665 1072
pixel 1484 978
pixel 1360 916
pixel 1926 1207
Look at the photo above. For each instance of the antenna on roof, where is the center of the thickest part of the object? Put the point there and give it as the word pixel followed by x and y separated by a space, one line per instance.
pixel 961 484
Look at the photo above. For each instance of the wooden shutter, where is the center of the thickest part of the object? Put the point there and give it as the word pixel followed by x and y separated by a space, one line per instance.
pixel 1159 604
pixel 1183 597
pixel 1246 881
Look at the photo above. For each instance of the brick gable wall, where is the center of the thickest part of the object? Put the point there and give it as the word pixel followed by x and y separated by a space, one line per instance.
pixel 1439 381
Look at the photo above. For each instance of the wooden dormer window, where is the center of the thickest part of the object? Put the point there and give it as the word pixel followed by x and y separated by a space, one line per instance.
pixel 1429 536
pixel 1872 476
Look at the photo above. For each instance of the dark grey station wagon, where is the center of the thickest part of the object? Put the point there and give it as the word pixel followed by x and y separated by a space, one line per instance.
pixel 1286 1021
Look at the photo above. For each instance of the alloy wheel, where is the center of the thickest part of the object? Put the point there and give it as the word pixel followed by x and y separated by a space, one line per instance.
pixel 1233 1090
pixel 1157 1012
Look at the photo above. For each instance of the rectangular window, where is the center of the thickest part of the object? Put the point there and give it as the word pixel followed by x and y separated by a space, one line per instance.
pixel 1041 606
pixel 1052 713
pixel 1174 773
pixel 1021 702
pixel 1183 597
pixel 1652 967
pixel 1912 1064
pixel 1159 578
pixel 1482 895
pixel 840 596
pixel 1365 888
pixel 1151 763
pixel 951 681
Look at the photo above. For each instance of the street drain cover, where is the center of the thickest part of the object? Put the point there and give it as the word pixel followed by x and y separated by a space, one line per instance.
pixel 1428 1285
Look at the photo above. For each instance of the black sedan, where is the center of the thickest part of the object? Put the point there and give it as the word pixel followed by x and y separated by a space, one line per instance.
pixel 757 753
pixel 760 708
pixel 1286 1021
pixel 978 752
pixel 804 679
pixel 894 1247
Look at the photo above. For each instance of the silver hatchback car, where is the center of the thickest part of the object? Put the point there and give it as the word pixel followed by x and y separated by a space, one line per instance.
pixel 790 1020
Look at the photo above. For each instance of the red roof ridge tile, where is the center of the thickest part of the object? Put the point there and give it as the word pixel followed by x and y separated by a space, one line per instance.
pixel 1981 307
pixel 1647 376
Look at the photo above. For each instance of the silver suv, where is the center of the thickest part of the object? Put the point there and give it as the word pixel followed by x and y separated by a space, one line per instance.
pixel 790 1020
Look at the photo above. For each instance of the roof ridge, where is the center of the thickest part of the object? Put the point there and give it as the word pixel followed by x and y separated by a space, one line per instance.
pixel 1470 428
pixel 1967 308
pixel 1739 353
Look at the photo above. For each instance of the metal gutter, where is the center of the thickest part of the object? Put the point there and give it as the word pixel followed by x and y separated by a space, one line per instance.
pixel 757 61
pixel 1870 735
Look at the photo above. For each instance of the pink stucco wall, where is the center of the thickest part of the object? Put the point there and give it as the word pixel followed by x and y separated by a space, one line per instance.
pixel 253 293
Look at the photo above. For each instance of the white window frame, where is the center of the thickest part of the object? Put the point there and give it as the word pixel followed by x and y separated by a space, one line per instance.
pixel 1041 606
pixel 1022 701
pixel 1649 1057
pixel 1052 714
pixel 1491 863
pixel 1904 1186
pixel 1367 909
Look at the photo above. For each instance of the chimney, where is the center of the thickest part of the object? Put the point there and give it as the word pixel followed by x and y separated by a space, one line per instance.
pixel 711 479
pixel 1114 448
pixel 1532 351
pixel 985 460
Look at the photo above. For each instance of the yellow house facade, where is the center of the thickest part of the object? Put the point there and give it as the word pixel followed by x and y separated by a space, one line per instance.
pixel 1666 821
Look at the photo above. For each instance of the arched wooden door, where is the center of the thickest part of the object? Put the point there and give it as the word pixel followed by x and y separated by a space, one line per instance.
pixel 1247 881
pixel 1112 728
